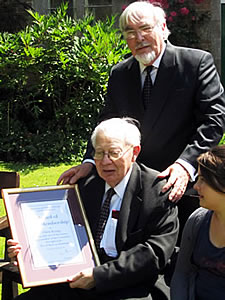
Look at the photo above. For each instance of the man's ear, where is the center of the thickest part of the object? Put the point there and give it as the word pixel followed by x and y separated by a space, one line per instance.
pixel 136 151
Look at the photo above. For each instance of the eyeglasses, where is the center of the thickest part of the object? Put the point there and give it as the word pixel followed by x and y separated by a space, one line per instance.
pixel 131 34
pixel 112 154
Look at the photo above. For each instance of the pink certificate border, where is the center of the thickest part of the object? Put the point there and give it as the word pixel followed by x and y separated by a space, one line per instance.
pixel 30 275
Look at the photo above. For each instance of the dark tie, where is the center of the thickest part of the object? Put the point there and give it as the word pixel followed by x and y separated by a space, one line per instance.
pixel 147 88
pixel 104 214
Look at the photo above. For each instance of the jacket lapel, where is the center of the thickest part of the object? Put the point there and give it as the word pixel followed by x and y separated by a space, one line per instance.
pixel 134 87
pixel 163 84
pixel 130 207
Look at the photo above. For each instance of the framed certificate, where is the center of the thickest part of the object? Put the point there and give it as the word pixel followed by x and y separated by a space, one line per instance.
pixel 51 225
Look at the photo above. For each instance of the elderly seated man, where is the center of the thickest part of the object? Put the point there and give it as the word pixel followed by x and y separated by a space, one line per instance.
pixel 137 235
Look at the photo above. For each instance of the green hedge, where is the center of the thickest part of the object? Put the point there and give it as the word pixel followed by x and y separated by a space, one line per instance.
pixel 53 79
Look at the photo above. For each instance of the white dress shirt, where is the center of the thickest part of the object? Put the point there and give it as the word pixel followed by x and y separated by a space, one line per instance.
pixel 154 69
pixel 108 241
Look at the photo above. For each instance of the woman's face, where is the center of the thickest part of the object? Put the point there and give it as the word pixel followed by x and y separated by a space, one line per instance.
pixel 208 197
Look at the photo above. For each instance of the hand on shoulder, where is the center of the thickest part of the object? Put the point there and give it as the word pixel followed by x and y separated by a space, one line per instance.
pixel 72 175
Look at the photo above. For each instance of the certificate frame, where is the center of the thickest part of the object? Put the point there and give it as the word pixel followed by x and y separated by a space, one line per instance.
pixel 50 223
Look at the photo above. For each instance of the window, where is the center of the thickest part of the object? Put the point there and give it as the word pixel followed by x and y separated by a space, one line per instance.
pixel 100 8
pixel 77 8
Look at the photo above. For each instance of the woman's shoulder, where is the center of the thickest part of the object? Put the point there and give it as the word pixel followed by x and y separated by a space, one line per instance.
pixel 199 213
pixel 196 218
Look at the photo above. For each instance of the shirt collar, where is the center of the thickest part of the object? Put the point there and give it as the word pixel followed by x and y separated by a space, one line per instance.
pixel 156 62
pixel 120 187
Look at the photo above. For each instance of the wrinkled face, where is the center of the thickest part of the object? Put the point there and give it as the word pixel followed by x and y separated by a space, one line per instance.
pixel 145 39
pixel 114 170
pixel 208 197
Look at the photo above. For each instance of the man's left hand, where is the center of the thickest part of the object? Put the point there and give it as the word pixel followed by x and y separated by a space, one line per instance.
pixel 178 180
pixel 83 280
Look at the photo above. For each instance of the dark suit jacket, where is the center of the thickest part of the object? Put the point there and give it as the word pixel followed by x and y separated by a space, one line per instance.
pixel 146 231
pixel 187 111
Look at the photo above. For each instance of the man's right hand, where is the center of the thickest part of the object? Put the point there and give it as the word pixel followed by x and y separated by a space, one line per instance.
pixel 72 175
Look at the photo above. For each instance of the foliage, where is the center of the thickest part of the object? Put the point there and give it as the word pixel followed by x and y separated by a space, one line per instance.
pixel 222 141
pixel 53 78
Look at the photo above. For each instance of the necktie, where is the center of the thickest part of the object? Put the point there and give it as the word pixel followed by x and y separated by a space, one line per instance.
pixel 104 214
pixel 147 88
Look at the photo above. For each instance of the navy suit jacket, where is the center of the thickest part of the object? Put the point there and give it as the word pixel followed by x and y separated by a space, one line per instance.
pixel 146 232
pixel 187 111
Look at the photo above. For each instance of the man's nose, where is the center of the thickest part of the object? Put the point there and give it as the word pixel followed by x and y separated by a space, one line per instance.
pixel 139 36
pixel 195 186
pixel 106 159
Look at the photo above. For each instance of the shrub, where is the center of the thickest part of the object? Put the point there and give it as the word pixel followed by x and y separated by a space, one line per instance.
pixel 53 80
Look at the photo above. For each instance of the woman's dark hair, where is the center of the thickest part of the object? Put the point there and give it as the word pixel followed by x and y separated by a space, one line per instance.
pixel 212 167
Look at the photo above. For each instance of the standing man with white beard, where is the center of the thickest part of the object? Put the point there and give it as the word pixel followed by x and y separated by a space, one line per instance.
pixel 186 111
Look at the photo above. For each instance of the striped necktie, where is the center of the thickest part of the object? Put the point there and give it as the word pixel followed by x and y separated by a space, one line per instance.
pixel 104 214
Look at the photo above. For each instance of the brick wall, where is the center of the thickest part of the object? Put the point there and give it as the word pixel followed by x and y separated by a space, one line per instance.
pixel 203 31
pixel 210 32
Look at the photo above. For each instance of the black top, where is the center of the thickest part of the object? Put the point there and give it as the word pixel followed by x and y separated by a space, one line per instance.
pixel 210 260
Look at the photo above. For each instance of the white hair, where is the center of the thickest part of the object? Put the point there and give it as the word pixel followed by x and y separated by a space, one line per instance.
pixel 137 10
pixel 123 129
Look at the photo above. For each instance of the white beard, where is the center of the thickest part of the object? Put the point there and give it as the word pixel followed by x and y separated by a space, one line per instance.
pixel 146 58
